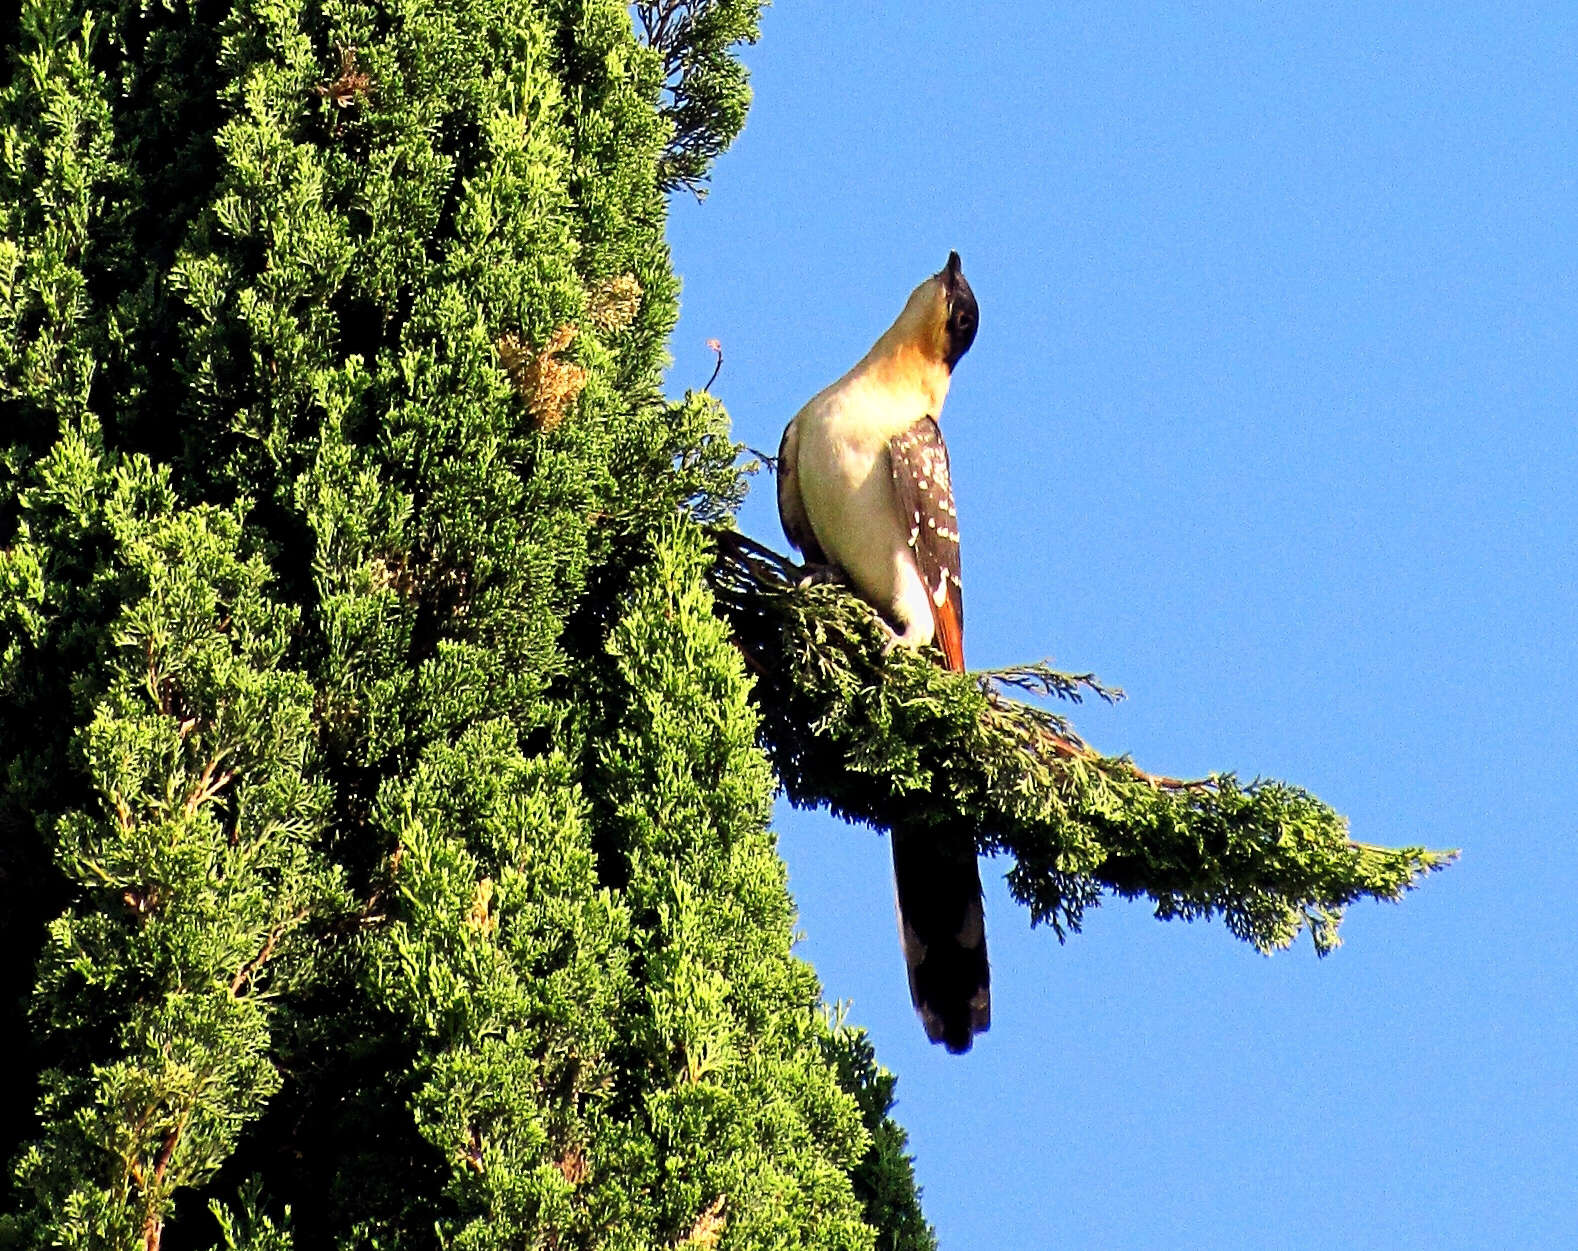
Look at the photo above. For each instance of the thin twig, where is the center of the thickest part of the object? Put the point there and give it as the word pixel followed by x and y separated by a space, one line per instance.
pixel 153 1223
pixel 250 969
pixel 208 785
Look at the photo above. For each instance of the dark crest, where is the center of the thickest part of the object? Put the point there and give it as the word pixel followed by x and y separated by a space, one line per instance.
pixel 964 315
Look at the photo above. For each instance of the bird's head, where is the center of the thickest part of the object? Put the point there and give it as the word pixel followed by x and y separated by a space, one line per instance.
pixel 941 316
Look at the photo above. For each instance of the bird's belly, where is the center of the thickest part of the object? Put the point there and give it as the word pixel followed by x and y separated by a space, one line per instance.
pixel 849 499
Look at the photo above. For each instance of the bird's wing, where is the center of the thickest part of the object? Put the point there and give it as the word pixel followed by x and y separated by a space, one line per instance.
pixel 923 488
pixel 791 508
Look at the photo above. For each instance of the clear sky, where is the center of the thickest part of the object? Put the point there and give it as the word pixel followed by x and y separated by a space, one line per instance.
pixel 1271 421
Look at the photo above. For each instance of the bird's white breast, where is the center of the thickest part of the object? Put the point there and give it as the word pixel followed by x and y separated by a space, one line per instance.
pixel 846 485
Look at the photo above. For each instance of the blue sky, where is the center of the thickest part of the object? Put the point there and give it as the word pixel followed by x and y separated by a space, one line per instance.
pixel 1271 421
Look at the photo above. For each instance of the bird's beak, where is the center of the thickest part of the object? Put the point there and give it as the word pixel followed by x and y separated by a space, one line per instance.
pixel 954 266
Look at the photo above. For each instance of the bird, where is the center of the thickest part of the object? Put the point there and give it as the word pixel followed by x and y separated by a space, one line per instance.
pixel 865 493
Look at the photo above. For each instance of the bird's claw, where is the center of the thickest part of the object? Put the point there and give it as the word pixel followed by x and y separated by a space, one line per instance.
pixel 824 575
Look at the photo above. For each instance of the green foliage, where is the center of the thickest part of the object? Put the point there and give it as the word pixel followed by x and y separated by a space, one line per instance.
pixel 884 1179
pixel 385 849
pixel 250 1229
pixel 887 737
pixel 510 964
pixel 193 861
pixel 721 1052
pixel 704 85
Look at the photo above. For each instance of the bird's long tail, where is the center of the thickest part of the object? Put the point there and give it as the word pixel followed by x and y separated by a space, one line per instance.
pixel 942 925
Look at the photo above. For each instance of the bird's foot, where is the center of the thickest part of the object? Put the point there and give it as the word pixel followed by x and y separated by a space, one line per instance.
pixel 824 575
pixel 909 638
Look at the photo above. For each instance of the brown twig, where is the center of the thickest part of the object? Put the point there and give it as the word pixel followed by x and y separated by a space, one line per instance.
pixel 250 969
pixel 153 1224
pixel 348 86
pixel 471 1153
pixel 208 785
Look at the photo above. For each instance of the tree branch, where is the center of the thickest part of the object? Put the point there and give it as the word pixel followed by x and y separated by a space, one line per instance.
pixel 885 736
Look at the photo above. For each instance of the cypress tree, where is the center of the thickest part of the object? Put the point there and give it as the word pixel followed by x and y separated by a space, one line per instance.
pixel 383 825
